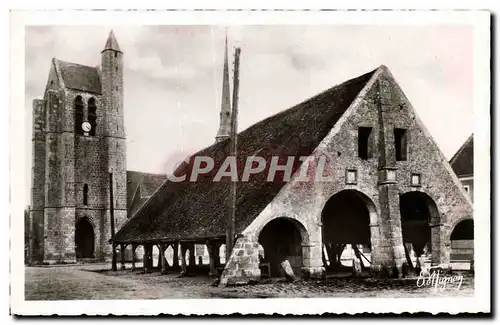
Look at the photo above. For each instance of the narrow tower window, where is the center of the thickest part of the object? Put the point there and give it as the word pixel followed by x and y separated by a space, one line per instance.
pixel 400 144
pixel 92 116
pixel 365 147
pixel 85 194
pixel 78 115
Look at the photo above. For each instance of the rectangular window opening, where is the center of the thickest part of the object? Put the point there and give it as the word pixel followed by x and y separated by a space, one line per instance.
pixel 400 144
pixel 365 148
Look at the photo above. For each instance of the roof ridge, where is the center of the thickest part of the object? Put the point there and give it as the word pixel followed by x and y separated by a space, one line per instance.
pixel 147 173
pixel 74 63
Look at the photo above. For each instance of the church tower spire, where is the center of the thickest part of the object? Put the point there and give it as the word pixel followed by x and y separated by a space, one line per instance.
pixel 225 110
pixel 112 43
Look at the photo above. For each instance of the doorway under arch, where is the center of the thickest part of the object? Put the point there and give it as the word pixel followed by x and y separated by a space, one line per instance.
pixel 346 229
pixel 282 239
pixel 84 238
pixel 420 224
pixel 462 241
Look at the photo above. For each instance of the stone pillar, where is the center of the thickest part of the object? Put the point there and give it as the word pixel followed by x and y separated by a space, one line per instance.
pixel 183 259
pixel 212 262
pixel 122 256
pixel 389 250
pixel 242 265
pixel 312 260
pixel 163 261
pixel 312 254
pixel 175 262
pixel 134 247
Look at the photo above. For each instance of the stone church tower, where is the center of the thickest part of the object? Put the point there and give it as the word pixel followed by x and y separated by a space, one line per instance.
pixel 78 140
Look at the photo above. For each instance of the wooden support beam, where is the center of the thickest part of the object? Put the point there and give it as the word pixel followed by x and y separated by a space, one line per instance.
pixel 192 256
pixel 175 262
pixel 145 258
pixel 183 260
pixel 122 256
pixel 211 247
pixel 163 261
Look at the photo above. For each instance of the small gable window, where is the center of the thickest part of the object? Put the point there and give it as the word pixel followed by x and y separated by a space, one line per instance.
pixel 365 143
pixel 400 144
pixel 78 115
pixel 85 194
pixel 92 116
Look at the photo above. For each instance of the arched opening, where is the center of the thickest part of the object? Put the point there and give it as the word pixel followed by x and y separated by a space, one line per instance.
pixel 92 115
pixel 78 115
pixel 462 241
pixel 420 226
pixel 84 239
pixel 282 240
pixel 85 194
pixel 346 230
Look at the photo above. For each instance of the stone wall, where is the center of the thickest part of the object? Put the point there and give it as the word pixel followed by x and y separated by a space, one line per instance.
pixel 243 265
pixel 382 106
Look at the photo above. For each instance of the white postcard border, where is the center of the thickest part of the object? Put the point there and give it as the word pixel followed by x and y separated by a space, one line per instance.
pixel 481 299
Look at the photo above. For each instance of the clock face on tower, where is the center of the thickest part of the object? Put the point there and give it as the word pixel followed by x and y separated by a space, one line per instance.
pixel 86 127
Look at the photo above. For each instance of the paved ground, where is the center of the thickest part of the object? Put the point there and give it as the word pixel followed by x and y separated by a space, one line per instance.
pixel 95 281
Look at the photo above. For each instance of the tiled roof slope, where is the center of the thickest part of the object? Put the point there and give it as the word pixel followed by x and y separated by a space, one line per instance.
pixel 463 160
pixel 140 186
pixel 80 77
pixel 197 210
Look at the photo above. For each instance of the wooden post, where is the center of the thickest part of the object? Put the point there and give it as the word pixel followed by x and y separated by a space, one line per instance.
pixel 150 257
pixel 163 264
pixel 122 256
pixel 211 256
pixel 134 247
pixel 145 257
pixel 192 256
pixel 112 221
pixel 230 233
pixel 183 260
pixel 175 262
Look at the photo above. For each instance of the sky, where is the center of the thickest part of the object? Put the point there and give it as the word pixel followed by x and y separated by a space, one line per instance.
pixel 173 76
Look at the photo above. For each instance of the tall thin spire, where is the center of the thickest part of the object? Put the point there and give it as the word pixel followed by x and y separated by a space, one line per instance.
pixel 111 43
pixel 225 110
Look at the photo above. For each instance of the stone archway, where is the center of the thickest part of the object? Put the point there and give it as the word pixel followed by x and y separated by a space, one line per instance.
pixel 84 238
pixel 283 239
pixel 421 226
pixel 346 219
pixel 462 240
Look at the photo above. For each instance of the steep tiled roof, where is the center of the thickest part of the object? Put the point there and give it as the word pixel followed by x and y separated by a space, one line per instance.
pixel 197 210
pixel 463 160
pixel 140 186
pixel 80 77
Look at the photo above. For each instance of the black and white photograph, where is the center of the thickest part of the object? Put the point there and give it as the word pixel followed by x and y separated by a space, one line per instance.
pixel 250 159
